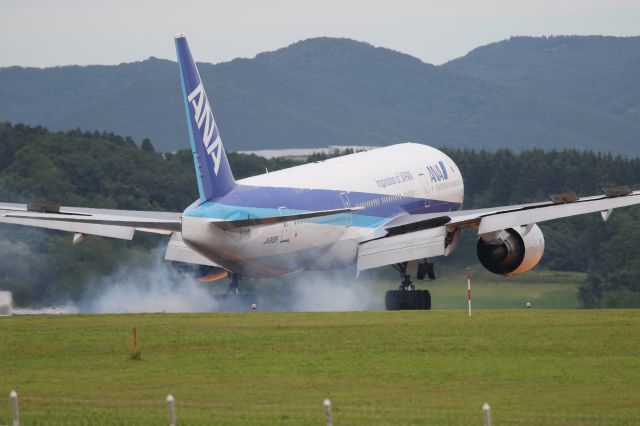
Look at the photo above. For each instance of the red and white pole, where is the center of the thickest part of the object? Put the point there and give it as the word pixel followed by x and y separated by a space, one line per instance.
pixel 469 289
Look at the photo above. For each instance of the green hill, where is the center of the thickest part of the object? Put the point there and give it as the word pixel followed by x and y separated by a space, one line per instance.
pixel 602 73
pixel 315 93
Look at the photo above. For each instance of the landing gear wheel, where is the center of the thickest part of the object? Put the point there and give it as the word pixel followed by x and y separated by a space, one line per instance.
pixel 422 271
pixel 391 302
pixel 404 300
pixel 426 269
pixel 431 270
pixel 425 300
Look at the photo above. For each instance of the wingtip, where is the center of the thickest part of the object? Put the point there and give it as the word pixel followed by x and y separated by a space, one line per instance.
pixel 179 35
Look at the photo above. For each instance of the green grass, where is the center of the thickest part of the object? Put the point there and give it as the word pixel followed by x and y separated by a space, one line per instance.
pixel 543 289
pixel 533 366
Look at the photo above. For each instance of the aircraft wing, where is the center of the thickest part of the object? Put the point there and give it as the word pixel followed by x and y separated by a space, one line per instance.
pixel 412 237
pixel 85 221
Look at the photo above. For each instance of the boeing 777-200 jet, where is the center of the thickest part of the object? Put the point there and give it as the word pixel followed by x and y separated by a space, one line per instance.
pixel 398 205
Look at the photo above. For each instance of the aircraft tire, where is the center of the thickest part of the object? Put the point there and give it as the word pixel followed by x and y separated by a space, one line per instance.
pixel 422 271
pixel 403 300
pixel 431 271
pixel 425 300
pixel 391 300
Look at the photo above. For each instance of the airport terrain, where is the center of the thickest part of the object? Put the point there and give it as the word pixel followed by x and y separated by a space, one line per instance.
pixel 340 292
pixel 439 367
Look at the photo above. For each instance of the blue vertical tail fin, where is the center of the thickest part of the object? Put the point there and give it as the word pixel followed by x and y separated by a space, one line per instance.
pixel 212 167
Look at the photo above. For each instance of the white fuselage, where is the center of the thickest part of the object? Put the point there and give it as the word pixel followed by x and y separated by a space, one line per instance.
pixel 385 183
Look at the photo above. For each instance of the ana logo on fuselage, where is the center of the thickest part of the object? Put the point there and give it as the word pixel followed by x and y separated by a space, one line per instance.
pixel 438 172
pixel 202 114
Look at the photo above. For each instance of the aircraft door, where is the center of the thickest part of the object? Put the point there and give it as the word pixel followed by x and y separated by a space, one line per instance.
pixel 286 226
pixel 347 204
pixel 427 189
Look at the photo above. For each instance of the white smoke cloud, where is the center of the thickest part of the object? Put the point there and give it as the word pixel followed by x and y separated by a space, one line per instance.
pixel 47 310
pixel 333 293
pixel 155 285
pixel 6 303
pixel 7 307
pixel 150 285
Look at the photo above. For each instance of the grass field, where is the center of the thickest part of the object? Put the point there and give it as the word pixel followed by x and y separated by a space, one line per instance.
pixel 544 289
pixel 576 367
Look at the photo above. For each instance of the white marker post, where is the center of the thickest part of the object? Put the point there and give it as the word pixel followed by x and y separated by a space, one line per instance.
pixel 486 410
pixel 469 289
pixel 14 408
pixel 172 410
pixel 327 411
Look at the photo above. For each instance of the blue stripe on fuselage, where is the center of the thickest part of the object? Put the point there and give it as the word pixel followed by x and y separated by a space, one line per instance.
pixel 245 202
pixel 444 170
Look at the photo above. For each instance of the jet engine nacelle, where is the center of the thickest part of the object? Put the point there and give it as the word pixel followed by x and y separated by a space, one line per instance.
pixel 511 251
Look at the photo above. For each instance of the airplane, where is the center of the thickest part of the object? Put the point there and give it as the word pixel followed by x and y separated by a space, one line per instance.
pixel 399 205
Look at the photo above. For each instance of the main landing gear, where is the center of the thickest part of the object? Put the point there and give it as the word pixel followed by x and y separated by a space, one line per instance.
pixel 407 297
pixel 234 284
pixel 235 300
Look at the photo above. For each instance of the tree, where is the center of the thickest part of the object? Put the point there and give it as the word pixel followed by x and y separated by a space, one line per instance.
pixel 147 146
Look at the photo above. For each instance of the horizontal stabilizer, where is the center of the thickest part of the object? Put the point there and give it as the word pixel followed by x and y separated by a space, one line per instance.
pixel 243 223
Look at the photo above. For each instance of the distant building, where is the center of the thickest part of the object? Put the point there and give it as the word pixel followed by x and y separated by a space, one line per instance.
pixel 303 153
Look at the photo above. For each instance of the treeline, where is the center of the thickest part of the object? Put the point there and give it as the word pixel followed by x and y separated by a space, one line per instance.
pixel 96 169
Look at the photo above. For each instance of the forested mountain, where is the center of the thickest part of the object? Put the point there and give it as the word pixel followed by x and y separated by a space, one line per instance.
pixel 326 91
pixel 602 73
pixel 106 170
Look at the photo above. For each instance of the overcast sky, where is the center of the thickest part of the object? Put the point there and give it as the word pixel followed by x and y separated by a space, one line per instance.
pixel 46 33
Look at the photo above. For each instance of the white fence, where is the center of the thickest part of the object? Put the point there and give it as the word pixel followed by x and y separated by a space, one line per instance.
pixel 326 404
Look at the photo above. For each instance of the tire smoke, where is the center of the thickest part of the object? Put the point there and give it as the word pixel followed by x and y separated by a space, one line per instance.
pixel 152 284
pixel 147 285
pixel 328 291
